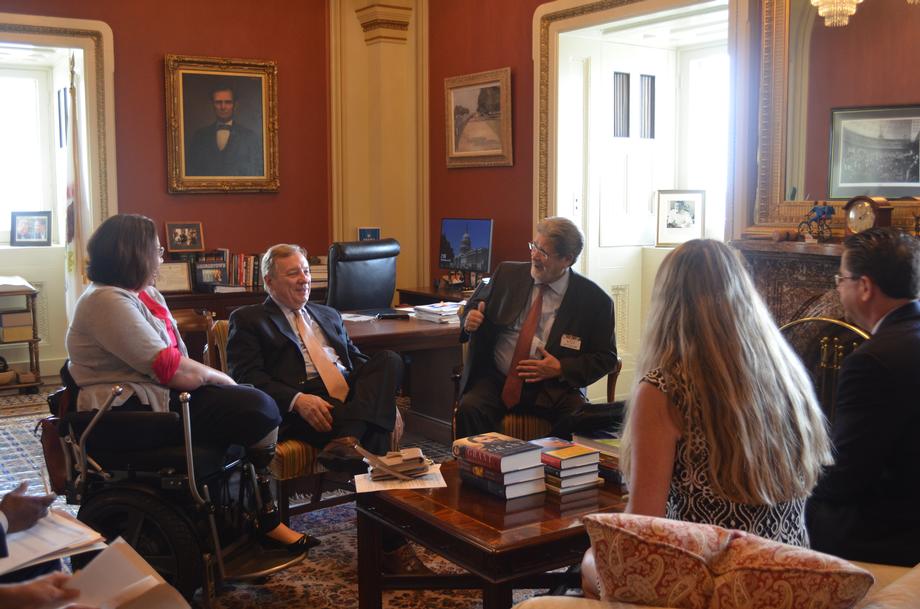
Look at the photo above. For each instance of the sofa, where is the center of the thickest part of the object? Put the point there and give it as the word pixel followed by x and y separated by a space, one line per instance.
pixel 643 561
pixel 894 588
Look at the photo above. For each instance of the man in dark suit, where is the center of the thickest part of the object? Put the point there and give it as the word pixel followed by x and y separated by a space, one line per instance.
pixel 329 393
pixel 536 360
pixel 225 147
pixel 865 506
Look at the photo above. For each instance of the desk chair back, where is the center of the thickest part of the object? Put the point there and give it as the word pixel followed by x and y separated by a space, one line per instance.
pixel 362 274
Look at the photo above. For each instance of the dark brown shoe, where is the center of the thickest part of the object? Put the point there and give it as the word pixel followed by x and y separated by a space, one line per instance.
pixel 404 561
pixel 339 455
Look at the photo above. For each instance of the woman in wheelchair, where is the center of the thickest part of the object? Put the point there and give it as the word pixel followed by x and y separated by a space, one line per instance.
pixel 122 332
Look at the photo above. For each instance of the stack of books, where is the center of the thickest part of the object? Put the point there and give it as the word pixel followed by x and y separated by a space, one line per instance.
pixel 439 312
pixel 569 468
pixel 15 325
pixel 319 271
pixel 500 465
pixel 607 443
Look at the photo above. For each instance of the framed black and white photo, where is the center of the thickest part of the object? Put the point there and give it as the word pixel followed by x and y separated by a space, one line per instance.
pixel 680 216
pixel 28 228
pixel 875 152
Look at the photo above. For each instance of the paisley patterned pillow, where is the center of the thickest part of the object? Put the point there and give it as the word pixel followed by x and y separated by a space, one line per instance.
pixel 670 563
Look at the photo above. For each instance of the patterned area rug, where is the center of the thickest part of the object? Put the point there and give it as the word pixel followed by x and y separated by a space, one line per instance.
pixel 328 579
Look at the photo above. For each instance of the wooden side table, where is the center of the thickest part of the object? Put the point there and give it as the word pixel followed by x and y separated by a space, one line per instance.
pixel 22 329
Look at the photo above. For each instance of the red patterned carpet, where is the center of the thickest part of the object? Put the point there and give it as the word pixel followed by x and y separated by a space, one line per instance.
pixel 328 579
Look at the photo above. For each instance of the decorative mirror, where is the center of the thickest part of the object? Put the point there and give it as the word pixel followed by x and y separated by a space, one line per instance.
pixel 807 72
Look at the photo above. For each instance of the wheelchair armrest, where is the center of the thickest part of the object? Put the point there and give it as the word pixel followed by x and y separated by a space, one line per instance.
pixel 126 431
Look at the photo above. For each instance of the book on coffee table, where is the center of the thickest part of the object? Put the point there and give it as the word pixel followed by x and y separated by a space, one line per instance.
pixel 497 451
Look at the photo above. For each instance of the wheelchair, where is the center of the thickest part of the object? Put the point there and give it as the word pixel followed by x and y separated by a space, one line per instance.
pixel 191 511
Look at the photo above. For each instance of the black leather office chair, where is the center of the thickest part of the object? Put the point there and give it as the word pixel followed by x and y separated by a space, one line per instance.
pixel 362 274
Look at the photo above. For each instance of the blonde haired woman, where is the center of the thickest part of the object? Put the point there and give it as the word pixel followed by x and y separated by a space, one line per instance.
pixel 723 426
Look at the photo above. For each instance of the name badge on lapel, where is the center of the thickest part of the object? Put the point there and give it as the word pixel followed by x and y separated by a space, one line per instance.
pixel 571 342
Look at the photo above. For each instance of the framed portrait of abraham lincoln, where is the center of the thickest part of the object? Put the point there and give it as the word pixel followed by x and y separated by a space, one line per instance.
pixel 221 124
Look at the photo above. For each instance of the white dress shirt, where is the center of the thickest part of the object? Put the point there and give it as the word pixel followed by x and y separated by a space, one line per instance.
pixel 507 339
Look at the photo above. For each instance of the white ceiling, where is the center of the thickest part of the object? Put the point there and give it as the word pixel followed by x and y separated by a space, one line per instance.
pixel 696 25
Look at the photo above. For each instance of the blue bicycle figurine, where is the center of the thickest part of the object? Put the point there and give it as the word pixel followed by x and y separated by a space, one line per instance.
pixel 817 222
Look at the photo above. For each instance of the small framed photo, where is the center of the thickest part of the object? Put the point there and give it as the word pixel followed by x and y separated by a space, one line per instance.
pixel 368 233
pixel 221 124
pixel 30 228
pixel 174 277
pixel 210 274
pixel 184 237
pixel 478 119
pixel 680 216
pixel 875 151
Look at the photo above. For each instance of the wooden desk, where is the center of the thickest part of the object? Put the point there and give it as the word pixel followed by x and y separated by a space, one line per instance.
pixel 503 544
pixel 432 351
pixel 423 295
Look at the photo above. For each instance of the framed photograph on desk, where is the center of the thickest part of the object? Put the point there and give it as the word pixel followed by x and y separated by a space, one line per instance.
pixel 174 277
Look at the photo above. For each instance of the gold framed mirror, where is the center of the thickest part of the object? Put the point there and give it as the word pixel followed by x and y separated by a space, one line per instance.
pixel 806 71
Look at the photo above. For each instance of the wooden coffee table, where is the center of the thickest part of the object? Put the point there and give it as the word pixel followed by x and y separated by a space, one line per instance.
pixel 503 544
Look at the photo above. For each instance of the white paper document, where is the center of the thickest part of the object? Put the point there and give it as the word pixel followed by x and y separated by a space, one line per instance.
pixel 56 535
pixel 356 317
pixel 433 479
pixel 119 578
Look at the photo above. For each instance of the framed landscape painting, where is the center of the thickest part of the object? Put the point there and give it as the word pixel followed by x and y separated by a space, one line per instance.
pixel 478 119
pixel 875 152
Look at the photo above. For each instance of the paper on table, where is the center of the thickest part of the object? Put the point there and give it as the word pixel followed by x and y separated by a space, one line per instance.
pixel 119 578
pixel 356 317
pixel 57 534
pixel 433 479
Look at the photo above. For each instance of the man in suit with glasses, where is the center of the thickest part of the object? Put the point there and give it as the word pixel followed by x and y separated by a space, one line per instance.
pixel 539 334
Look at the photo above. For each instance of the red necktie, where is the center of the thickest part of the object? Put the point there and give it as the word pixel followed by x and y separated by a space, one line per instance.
pixel 511 392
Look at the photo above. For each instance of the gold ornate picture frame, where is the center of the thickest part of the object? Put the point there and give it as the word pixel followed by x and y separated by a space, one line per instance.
pixel 221 124
pixel 477 110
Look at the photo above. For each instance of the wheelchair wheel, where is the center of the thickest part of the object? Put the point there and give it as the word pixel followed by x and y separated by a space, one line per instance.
pixel 154 529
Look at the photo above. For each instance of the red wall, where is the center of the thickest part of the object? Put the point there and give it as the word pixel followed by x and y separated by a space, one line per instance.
pixel 291 33
pixel 475 36
pixel 869 62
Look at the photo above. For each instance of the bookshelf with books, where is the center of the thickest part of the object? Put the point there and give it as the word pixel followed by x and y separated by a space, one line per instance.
pixel 19 326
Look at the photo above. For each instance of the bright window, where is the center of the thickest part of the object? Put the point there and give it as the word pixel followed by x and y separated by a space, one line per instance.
pixel 27 174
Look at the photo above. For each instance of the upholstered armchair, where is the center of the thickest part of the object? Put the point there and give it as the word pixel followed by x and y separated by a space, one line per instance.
pixel 295 466
pixel 524 426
